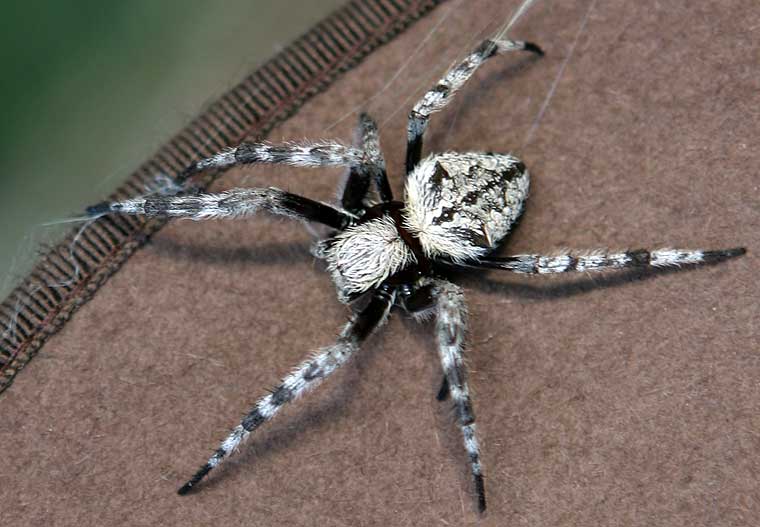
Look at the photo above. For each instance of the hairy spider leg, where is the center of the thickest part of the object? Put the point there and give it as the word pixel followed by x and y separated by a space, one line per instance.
pixel 601 260
pixel 318 154
pixel 440 95
pixel 360 177
pixel 234 203
pixel 451 326
pixel 420 303
pixel 307 375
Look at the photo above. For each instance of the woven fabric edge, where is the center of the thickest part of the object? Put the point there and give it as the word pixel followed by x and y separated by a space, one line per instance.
pixel 71 272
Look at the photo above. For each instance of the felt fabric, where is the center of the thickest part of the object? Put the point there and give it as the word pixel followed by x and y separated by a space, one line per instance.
pixel 618 399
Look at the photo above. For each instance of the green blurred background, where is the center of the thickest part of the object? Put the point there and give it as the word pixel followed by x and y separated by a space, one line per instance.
pixel 90 89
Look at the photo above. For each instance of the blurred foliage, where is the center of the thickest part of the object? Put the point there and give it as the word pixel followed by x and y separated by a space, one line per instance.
pixel 93 88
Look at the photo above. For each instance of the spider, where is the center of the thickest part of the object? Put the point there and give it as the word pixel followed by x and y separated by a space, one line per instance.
pixel 457 209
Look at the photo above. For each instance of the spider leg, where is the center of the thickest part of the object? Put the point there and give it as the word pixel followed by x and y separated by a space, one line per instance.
pixel 451 314
pixel 233 203
pixel 420 302
pixel 601 260
pixel 440 95
pixel 302 155
pixel 361 176
pixel 307 375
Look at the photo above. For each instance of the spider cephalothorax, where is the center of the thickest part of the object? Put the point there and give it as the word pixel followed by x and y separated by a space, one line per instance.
pixel 457 208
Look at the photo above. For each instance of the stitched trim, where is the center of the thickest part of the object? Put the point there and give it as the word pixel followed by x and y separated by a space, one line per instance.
pixel 35 310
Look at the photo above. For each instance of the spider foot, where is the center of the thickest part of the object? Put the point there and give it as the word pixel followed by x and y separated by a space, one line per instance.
pixel 725 254
pixel 534 48
pixel 187 487
pixel 98 210
pixel 481 490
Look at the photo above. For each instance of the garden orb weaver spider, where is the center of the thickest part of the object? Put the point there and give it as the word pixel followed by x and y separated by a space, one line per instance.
pixel 458 207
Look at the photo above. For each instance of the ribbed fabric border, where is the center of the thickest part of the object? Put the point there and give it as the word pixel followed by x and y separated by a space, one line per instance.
pixel 70 273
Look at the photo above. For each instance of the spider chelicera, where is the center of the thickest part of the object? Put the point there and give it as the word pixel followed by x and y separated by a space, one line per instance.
pixel 457 208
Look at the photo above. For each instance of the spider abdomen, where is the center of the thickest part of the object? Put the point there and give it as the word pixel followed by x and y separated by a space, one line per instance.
pixel 463 205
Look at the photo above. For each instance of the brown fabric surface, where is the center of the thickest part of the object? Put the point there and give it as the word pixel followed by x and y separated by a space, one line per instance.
pixel 69 273
pixel 601 400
